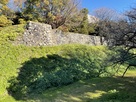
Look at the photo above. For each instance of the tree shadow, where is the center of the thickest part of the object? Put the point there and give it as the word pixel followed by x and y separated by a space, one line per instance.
pixel 25 86
pixel 49 79
pixel 39 74
pixel 108 89
pixel 117 89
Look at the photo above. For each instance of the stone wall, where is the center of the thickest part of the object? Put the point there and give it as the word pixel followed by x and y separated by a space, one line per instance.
pixel 38 34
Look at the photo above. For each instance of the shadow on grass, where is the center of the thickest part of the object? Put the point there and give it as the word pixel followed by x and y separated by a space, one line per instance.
pixel 38 74
pixel 96 90
pixel 116 89
pixel 50 80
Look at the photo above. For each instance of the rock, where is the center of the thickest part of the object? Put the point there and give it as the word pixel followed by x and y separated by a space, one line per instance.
pixel 39 34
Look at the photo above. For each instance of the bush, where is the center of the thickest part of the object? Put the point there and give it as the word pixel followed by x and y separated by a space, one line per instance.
pixel 21 21
pixel 4 21
pixel 72 64
pixel 10 33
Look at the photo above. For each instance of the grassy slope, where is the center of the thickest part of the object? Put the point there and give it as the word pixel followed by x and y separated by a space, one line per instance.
pixel 108 89
pixel 12 58
pixel 113 89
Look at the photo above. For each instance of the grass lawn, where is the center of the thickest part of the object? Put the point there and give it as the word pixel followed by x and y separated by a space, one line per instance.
pixel 107 89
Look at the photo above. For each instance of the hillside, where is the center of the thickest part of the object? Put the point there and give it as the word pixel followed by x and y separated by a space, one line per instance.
pixel 65 73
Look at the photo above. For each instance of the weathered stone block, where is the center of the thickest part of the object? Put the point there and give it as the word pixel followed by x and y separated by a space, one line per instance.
pixel 39 34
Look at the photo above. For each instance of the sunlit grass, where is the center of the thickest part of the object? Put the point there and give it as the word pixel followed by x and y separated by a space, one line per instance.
pixel 110 89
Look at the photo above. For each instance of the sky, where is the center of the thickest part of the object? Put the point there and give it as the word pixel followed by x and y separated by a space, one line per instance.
pixel 118 5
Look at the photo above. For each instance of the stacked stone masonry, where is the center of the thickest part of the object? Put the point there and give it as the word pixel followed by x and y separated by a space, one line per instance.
pixel 39 34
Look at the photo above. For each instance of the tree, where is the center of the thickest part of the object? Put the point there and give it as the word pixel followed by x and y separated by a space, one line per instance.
pixel 3 7
pixel 4 21
pixel 124 33
pixel 121 32
pixel 74 23
pixel 107 19
pixel 80 24
pixel 84 23
pixel 3 3
pixel 5 14
pixel 127 39
pixel 105 14
pixel 53 12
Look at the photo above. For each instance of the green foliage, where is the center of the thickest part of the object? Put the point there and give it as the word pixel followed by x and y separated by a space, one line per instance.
pixel 10 33
pixel 92 28
pixel 3 6
pixel 25 70
pixel 80 24
pixel 4 21
pixel 84 24
pixel 21 21
pixel 12 57
pixel 71 64
pixel 6 11
pixel 53 12
pixel 4 2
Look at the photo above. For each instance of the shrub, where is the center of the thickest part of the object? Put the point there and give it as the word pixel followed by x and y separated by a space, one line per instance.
pixel 21 21
pixel 72 64
pixel 4 21
pixel 10 33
